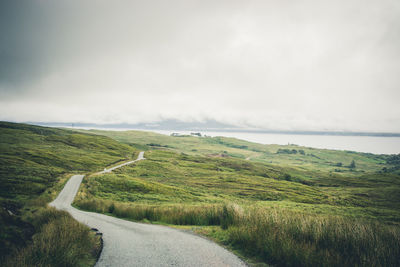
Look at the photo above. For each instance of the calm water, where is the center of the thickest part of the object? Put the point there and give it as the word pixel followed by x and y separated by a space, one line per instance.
pixel 369 144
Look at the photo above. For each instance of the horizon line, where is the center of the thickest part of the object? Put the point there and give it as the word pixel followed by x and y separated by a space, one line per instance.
pixel 142 126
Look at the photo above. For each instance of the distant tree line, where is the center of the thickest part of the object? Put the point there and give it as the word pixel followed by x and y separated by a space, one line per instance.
pixel 157 145
pixel 290 151
pixel 393 160
pixel 351 166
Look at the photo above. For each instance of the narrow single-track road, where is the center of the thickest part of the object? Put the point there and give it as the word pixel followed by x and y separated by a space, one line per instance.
pixel 140 157
pixel 135 244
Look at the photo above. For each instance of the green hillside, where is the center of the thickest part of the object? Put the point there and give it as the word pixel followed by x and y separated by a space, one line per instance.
pixel 33 157
pixel 279 207
pixel 33 165
pixel 288 156
pixel 371 183
pixel 168 178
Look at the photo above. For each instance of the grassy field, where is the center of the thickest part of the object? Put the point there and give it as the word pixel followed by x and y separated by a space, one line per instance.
pixel 291 157
pixel 34 165
pixel 329 220
pixel 167 177
pixel 280 205
pixel 33 157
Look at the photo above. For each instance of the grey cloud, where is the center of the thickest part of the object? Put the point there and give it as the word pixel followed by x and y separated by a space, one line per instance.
pixel 278 64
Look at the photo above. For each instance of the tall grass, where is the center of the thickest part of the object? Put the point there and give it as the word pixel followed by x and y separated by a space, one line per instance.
pixel 175 214
pixel 278 236
pixel 288 238
pixel 59 241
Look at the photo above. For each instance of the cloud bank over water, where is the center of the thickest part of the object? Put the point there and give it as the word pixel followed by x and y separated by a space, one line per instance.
pixel 289 65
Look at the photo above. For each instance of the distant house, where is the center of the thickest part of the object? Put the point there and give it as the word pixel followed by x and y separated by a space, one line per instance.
pixel 175 134
pixel 196 134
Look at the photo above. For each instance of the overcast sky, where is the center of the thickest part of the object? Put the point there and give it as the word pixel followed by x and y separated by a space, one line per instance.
pixel 291 65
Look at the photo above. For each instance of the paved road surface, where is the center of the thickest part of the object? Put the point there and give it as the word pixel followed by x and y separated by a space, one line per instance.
pixel 135 244
pixel 140 157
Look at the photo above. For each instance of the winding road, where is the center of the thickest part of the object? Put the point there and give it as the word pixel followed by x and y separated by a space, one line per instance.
pixel 140 157
pixel 136 244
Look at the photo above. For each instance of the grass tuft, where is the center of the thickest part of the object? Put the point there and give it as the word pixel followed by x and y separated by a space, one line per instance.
pixel 59 241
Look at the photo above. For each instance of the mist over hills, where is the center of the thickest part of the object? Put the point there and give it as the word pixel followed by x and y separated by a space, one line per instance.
pixel 208 125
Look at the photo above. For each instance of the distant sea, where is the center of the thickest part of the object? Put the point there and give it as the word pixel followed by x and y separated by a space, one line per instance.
pixel 367 144
pixel 359 142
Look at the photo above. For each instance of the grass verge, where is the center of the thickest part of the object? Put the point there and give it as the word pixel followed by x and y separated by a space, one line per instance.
pixel 59 241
